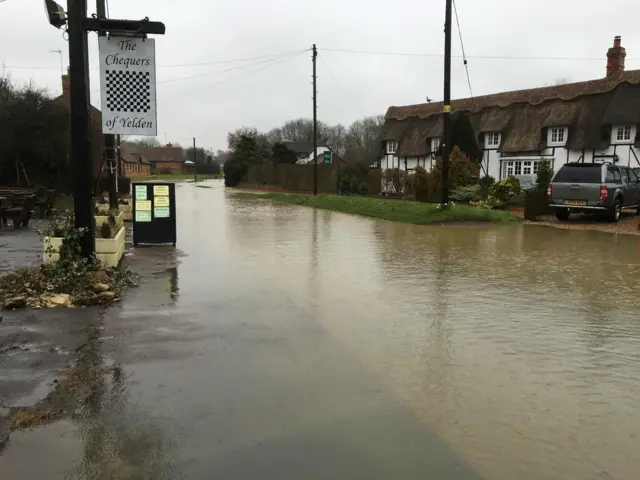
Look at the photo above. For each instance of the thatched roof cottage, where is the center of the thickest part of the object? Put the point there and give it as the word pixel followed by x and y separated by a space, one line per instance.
pixel 586 121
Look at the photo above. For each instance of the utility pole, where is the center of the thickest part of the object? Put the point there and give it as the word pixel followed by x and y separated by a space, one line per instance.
pixel 315 122
pixel 195 165
pixel 446 106
pixel 109 140
pixel 79 113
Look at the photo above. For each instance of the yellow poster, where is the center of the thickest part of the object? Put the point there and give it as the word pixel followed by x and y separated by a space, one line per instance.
pixel 143 205
pixel 161 201
pixel 161 191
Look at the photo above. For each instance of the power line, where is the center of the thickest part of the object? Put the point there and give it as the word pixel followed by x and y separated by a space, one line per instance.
pixel 275 57
pixel 199 64
pixel 479 57
pixel 464 56
pixel 340 86
pixel 235 60
pixel 273 63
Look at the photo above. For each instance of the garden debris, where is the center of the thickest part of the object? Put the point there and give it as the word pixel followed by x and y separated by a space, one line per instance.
pixel 15 303
pixel 101 287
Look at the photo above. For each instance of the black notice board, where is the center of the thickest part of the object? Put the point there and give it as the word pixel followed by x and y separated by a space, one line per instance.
pixel 154 213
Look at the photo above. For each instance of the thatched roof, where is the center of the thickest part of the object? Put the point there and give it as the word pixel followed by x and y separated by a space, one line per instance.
pixel 587 108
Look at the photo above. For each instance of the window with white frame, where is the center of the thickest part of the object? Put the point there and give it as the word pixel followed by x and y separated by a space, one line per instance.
pixel 392 146
pixel 623 134
pixel 492 139
pixel 557 136
pixel 435 145
pixel 520 168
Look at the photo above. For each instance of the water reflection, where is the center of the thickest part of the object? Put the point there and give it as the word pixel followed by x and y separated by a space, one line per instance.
pixel 119 440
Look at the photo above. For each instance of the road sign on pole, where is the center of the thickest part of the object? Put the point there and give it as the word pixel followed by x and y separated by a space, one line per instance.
pixel 326 157
pixel 128 85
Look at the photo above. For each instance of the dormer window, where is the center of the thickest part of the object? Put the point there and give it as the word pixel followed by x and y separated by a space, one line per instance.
pixel 392 146
pixel 435 144
pixel 557 136
pixel 623 133
pixel 492 140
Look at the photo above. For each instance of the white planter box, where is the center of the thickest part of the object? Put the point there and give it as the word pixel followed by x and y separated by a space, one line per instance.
pixel 125 210
pixel 100 219
pixel 108 250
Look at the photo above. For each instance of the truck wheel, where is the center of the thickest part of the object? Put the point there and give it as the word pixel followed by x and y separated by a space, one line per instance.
pixel 562 213
pixel 616 211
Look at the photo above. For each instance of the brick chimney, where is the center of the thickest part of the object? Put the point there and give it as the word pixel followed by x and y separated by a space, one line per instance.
pixel 169 145
pixel 615 58
pixel 66 89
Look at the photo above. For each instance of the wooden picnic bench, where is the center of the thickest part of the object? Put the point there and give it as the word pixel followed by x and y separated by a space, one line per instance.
pixel 18 207
pixel 44 198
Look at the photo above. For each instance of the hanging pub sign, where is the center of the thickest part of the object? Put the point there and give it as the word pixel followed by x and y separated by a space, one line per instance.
pixel 154 213
pixel 128 85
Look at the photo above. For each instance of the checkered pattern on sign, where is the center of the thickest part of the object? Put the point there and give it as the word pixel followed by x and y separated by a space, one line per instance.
pixel 128 91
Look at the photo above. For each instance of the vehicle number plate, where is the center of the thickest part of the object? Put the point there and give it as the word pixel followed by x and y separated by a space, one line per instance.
pixel 574 202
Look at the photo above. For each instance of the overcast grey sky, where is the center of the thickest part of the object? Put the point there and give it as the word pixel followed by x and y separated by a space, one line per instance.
pixel 215 30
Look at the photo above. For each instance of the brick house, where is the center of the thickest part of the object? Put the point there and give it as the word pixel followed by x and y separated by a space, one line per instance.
pixel 167 159
pixel 134 164
pixel 97 144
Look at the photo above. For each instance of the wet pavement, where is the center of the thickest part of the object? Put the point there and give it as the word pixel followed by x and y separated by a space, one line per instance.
pixel 281 342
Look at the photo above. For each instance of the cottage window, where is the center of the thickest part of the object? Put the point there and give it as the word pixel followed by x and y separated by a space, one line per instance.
pixel 624 133
pixel 520 168
pixel 435 145
pixel 557 136
pixel 492 139
pixel 392 146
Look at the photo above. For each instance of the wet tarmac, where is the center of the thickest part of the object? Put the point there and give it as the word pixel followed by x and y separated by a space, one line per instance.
pixel 280 342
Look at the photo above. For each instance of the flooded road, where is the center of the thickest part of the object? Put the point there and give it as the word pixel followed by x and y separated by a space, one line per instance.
pixel 283 342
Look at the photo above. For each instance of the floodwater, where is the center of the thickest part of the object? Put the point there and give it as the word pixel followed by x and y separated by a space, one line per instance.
pixel 281 342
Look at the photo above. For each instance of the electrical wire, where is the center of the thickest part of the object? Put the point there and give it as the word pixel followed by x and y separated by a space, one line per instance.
pixel 200 64
pixel 340 86
pixel 244 74
pixel 239 67
pixel 464 56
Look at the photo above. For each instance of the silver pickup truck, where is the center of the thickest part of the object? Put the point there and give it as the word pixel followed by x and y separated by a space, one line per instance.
pixel 592 188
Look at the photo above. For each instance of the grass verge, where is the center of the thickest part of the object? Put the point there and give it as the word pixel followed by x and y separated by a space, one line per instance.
pixel 395 210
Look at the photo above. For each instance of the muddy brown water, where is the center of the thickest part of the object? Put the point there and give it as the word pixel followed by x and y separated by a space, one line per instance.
pixel 285 342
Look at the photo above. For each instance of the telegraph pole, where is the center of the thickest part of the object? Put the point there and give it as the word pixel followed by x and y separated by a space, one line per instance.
pixel 446 106
pixel 315 123
pixel 195 167
pixel 80 137
pixel 109 140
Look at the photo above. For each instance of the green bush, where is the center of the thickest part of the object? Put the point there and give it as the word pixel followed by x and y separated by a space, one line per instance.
pixel 485 185
pixel 462 172
pixel 504 192
pixel 352 180
pixel 545 174
pixel 467 194
pixel 421 184
pixel 234 172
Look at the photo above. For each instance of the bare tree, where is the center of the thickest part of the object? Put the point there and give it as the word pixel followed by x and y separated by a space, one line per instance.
pixel 141 141
pixel 363 140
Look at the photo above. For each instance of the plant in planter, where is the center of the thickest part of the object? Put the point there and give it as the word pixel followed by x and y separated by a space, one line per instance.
pixel 110 238
pixel 105 229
